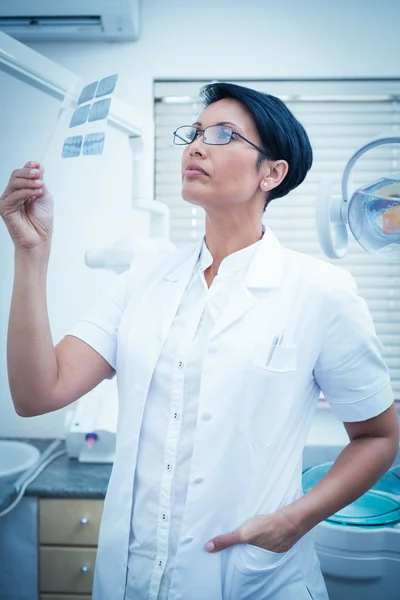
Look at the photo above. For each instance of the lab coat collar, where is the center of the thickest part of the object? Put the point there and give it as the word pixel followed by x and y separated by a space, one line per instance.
pixel 234 263
pixel 265 269
pixel 185 258
pixel 265 272
pixel 185 262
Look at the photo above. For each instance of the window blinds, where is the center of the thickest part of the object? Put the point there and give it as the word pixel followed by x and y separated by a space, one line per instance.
pixel 339 117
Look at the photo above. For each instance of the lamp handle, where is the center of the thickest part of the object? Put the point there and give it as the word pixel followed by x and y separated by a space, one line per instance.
pixel 330 222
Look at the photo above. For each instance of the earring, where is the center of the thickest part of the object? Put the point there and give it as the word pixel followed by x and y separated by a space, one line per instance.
pixel 265 183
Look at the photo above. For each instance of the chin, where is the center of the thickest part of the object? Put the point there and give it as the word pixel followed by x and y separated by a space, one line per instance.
pixel 191 196
pixel 192 200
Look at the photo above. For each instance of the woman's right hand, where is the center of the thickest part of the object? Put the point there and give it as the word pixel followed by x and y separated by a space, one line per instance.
pixel 26 206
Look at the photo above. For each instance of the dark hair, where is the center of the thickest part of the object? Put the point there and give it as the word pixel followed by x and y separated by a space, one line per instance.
pixel 282 136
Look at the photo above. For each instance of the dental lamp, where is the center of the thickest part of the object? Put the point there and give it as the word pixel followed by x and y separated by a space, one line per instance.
pixel 372 212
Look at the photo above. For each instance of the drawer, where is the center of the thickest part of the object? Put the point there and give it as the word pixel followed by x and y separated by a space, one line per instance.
pixel 69 522
pixel 64 597
pixel 66 570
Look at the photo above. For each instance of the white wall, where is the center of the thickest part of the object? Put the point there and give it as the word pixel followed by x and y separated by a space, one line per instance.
pixel 219 39
pixel 92 209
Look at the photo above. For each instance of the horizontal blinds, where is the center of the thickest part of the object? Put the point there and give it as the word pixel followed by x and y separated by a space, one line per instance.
pixel 339 116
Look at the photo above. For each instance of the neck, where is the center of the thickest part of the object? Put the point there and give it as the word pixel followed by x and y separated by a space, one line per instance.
pixel 225 235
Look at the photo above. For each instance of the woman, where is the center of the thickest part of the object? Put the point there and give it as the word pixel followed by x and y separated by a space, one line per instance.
pixel 221 350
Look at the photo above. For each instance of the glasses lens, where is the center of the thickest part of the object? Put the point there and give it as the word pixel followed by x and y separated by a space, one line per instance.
pixel 217 134
pixel 184 135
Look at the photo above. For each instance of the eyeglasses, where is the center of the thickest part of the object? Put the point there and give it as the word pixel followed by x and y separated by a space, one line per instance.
pixel 214 135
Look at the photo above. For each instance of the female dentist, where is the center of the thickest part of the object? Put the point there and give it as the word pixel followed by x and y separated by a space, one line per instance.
pixel 220 350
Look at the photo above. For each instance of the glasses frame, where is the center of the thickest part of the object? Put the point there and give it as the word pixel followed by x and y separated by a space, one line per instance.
pixel 199 131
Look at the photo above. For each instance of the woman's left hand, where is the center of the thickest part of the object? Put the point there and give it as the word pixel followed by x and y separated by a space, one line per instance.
pixel 274 532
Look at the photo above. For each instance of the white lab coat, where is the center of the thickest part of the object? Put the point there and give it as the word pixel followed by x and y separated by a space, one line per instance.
pixel 249 448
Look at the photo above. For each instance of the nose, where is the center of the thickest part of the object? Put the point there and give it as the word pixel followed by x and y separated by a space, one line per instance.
pixel 197 147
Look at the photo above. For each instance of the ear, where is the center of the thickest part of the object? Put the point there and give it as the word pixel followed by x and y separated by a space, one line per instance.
pixel 274 175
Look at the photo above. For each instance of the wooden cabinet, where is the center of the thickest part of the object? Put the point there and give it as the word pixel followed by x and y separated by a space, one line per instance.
pixel 68 535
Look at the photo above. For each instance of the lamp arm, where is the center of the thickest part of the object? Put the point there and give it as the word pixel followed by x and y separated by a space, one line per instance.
pixel 380 140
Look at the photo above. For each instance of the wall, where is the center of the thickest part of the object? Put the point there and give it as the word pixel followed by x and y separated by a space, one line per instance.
pixel 217 39
pixel 91 209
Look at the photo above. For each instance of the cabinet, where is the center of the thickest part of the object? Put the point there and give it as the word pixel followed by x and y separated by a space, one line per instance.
pixel 68 535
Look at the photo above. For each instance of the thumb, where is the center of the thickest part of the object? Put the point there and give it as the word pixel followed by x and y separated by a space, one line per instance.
pixel 222 541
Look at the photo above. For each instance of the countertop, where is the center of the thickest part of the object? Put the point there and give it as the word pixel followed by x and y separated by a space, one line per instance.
pixel 68 478
pixel 62 478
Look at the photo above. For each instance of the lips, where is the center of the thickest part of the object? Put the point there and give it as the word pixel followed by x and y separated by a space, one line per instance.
pixel 193 168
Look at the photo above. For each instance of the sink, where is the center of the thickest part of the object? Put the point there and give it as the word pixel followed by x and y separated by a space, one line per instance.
pixel 15 458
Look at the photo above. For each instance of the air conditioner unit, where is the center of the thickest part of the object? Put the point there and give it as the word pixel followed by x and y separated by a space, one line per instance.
pixel 70 20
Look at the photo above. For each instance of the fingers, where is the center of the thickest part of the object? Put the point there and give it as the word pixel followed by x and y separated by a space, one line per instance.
pixel 32 169
pixel 35 165
pixel 32 164
pixel 26 173
pixel 27 178
pixel 14 201
pixel 30 182
pixel 222 541
pixel 23 184
pixel 20 196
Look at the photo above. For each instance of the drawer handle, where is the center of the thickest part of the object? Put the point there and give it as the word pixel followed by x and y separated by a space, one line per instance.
pixel 84 569
pixel 84 521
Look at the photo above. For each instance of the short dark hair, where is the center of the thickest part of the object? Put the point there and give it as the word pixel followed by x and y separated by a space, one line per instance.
pixel 282 135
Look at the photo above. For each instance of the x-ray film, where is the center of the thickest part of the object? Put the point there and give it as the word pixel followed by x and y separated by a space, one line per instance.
pixel 100 109
pixel 94 143
pixel 88 92
pixel 80 115
pixel 72 147
pixel 106 85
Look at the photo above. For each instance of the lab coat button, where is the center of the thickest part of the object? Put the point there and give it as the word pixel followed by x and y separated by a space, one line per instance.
pixel 169 467
pixel 181 364
pixel 164 516
pixel 206 416
pixel 198 480
pixel 188 540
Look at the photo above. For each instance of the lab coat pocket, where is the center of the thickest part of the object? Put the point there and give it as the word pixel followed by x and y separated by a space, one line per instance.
pixel 268 396
pixel 283 358
pixel 254 558
pixel 264 575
